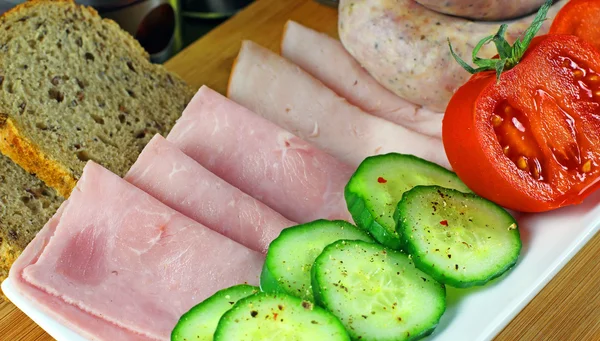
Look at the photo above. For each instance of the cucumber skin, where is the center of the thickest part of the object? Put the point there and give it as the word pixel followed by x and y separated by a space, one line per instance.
pixel 189 315
pixel 241 302
pixel 364 220
pixel 401 225
pixel 268 281
pixel 314 280
pixel 320 300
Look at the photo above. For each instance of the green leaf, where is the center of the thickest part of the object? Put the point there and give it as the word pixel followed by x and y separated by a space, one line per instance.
pixel 503 47
pixel 489 64
pixel 537 23
pixel 499 68
pixel 509 56
pixel 478 47
pixel 459 60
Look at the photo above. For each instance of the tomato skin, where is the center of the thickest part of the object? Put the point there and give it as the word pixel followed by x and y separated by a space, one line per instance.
pixel 474 160
pixel 579 18
pixel 474 150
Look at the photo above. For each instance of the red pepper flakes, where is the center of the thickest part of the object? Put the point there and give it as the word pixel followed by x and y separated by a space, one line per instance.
pixel 444 222
pixel 275 316
pixel 381 180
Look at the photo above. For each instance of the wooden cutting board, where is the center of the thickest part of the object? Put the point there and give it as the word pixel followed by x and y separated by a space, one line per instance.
pixel 567 309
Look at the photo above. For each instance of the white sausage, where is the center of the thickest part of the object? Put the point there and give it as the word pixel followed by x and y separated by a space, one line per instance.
pixel 404 46
pixel 484 9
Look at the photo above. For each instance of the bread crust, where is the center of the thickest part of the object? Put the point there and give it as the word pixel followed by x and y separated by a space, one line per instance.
pixel 21 147
pixel 14 141
pixel 23 7
pixel 30 157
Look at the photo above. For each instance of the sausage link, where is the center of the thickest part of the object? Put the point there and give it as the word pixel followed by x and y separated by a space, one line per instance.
pixel 404 46
pixel 484 9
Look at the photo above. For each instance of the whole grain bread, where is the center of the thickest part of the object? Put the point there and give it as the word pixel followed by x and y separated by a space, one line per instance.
pixel 26 204
pixel 75 87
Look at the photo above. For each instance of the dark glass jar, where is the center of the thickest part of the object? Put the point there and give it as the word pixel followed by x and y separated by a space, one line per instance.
pixel 332 3
pixel 212 8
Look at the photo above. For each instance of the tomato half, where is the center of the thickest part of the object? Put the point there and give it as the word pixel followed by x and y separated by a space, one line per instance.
pixel 579 18
pixel 531 141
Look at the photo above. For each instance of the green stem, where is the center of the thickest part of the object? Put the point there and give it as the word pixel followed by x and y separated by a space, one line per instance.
pixel 508 55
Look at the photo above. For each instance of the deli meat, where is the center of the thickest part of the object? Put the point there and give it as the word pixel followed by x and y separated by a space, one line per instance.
pixel 327 60
pixel 121 256
pixel 55 307
pixel 489 10
pixel 261 159
pixel 174 178
pixel 404 45
pixel 280 91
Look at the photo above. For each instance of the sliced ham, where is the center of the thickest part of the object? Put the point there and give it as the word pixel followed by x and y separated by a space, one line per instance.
pixel 327 60
pixel 87 325
pixel 263 160
pixel 121 256
pixel 181 183
pixel 280 91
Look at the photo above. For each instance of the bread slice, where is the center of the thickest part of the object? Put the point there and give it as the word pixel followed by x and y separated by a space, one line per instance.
pixel 75 87
pixel 26 204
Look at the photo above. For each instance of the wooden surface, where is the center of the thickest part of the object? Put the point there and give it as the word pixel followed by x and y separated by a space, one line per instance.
pixel 567 309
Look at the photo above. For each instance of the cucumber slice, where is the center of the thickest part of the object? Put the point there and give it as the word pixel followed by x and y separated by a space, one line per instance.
pixel 378 184
pixel 292 254
pixel 200 322
pixel 376 292
pixel 460 239
pixel 278 317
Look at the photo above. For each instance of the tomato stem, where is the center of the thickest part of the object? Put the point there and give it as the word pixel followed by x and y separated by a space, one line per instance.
pixel 508 56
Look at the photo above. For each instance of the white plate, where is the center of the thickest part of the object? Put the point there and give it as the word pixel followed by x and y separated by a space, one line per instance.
pixel 550 240
pixel 55 329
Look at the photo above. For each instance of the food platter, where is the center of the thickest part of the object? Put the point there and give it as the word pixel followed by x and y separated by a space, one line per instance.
pixel 550 240
pixel 52 327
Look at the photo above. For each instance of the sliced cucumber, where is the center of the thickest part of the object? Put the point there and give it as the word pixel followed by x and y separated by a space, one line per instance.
pixel 378 184
pixel 278 317
pixel 200 322
pixel 377 293
pixel 291 256
pixel 460 239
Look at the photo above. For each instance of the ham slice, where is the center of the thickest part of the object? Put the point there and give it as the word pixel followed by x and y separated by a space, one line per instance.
pixel 261 159
pixel 174 178
pixel 122 257
pixel 327 60
pixel 68 315
pixel 280 91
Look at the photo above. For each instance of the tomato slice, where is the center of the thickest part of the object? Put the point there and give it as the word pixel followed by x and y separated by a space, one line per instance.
pixel 580 18
pixel 530 141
